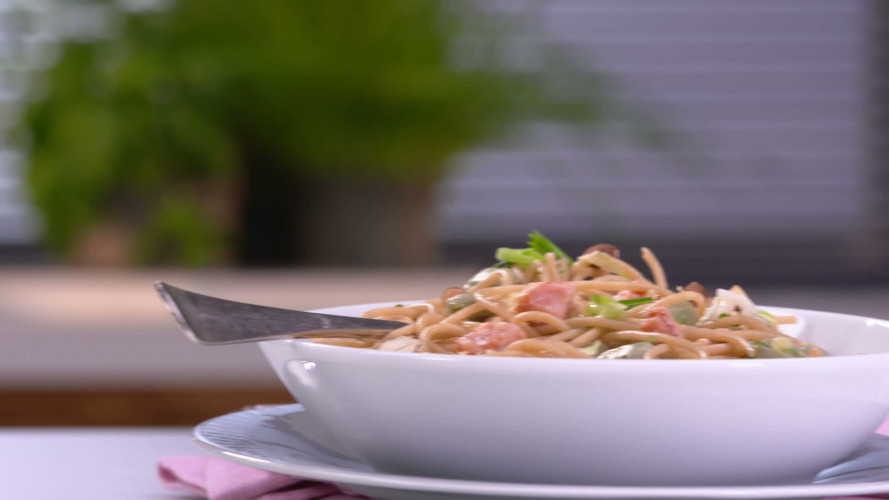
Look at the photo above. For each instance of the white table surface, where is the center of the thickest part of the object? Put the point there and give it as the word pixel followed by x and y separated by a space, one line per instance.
pixel 89 463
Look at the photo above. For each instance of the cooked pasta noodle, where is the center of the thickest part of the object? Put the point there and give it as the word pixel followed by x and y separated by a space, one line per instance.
pixel 538 302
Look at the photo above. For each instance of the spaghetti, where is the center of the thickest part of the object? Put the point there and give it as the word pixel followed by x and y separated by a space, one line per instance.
pixel 538 302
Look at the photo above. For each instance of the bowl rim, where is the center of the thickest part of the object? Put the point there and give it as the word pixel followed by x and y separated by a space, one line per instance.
pixel 355 356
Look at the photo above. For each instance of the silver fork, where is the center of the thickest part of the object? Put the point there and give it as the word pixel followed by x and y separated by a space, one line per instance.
pixel 214 321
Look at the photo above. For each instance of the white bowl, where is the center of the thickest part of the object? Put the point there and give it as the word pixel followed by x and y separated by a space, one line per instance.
pixel 603 422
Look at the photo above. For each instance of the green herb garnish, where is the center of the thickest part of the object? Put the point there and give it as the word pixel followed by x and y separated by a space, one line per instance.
pixel 767 315
pixel 685 313
pixel 521 257
pixel 542 245
pixel 593 349
pixel 777 348
pixel 631 303
pixel 538 246
pixel 602 305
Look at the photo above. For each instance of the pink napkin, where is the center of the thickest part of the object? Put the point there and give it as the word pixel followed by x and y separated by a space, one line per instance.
pixel 218 479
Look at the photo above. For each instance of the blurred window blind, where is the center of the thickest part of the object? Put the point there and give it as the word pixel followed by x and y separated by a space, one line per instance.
pixel 764 101
pixel 16 224
pixel 16 59
pixel 875 244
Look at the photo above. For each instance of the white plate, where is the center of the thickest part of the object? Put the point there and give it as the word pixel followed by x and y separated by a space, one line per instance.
pixel 282 439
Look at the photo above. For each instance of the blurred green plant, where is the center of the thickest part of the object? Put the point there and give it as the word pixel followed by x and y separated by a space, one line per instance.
pixel 135 126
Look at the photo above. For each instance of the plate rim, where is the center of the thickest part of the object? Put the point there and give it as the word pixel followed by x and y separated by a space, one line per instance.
pixel 375 479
